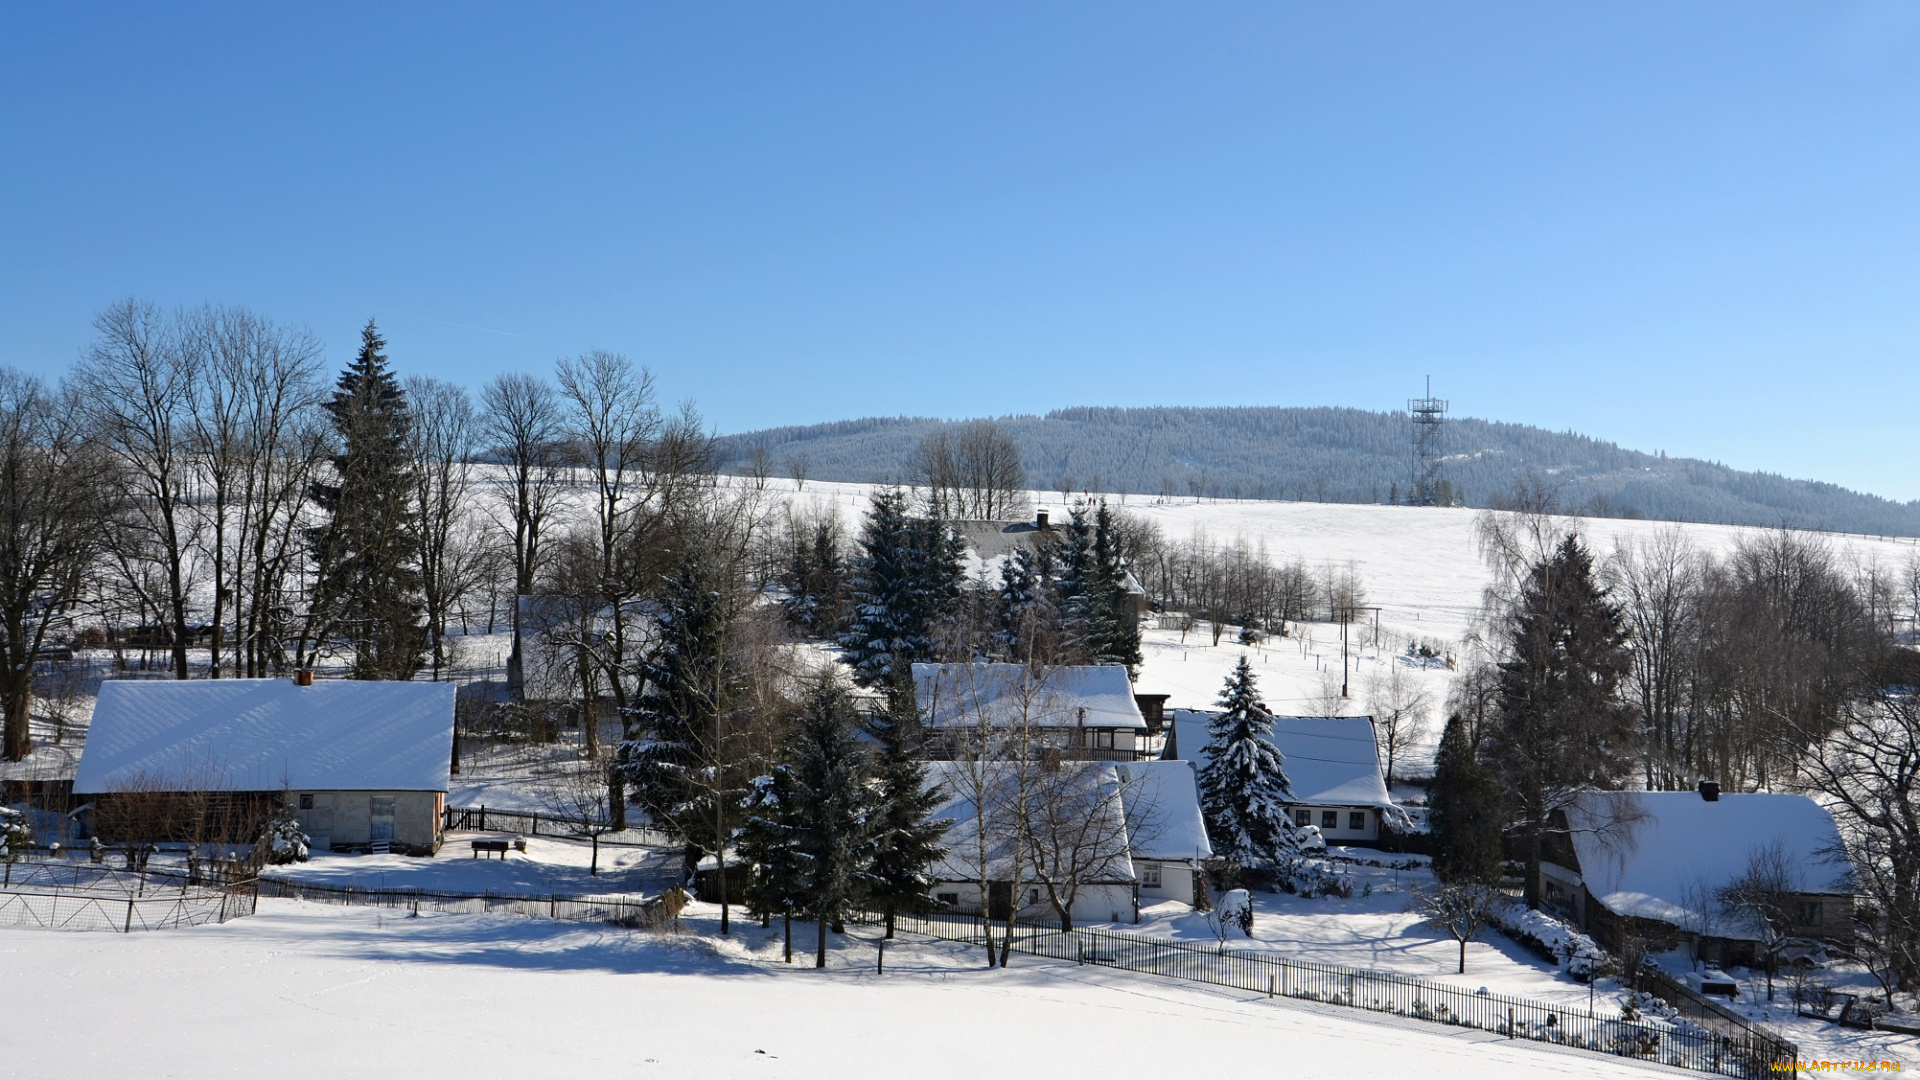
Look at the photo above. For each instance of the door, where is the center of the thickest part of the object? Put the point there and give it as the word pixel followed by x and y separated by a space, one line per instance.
pixel 380 830
pixel 999 899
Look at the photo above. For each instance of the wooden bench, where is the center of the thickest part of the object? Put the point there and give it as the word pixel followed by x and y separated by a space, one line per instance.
pixel 489 847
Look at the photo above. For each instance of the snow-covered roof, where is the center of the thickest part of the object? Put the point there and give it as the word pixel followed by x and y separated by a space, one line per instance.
pixel 963 785
pixel 1163 798
pixel 956 695
pixel 1680 842
pixel 1330 760
pixel 263 734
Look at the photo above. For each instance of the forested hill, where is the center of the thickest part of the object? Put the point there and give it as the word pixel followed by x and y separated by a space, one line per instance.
pixel 1334 455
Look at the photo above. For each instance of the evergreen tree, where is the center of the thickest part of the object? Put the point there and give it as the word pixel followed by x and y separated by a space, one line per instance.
pixel 1093 585
pixel 688 768
pixel 766 843
pixel 1028 604
pixel 1561 727
pixel 815 568
pixel 367 585
pixel 1243 786
pixel 834 808
pixel 907 572
pixel 1464 814
pixel 906 836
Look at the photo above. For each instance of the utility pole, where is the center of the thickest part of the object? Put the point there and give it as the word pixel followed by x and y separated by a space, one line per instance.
pixel 1346 616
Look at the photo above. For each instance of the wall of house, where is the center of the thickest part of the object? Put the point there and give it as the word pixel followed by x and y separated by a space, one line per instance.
pixel 343 820
pixel 1343 832
pixel 1176 882
pixel 1094 904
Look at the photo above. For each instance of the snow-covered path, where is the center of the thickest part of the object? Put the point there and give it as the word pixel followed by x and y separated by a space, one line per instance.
pixel 306 990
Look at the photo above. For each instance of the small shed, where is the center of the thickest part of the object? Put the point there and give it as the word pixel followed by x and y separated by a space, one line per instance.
pixel 365 764
pixel 1332 765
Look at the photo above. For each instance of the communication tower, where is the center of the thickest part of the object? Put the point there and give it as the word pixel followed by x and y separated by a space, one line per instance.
pixel 1429 421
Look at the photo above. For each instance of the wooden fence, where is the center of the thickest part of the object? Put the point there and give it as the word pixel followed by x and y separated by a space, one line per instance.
pixel 84 897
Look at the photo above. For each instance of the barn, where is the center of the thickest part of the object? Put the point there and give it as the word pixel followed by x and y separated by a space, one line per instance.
pixel 364 763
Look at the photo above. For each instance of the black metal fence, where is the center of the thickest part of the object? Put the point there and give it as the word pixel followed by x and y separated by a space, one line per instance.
pixel 530 823
pixel 1750 1053
pixel 60 896
pixel 633 912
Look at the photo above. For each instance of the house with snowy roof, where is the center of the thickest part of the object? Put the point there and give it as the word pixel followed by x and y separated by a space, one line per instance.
pixel 1109 836
pixel 1332 765
pixel 988 543
pixel 1651 864
pixel 1074 713
pixel 365 764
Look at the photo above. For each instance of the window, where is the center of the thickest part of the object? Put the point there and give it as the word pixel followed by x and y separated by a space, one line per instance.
pixel 1807 912
pixel 1329 819
pixel 1033 896
pixel 1099 740
pixel 306 802
pixel 1303 818
pixel 1357 820
pixel 1150 875
pixel 950 899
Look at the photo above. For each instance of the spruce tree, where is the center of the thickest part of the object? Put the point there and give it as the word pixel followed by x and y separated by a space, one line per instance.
pixel 367 587
pixel 1244 792
pixel 687 769
pixel 1560 724
pixel 908 571
pixel 1100 624
pixel 766 843
pixel 906 836
pixel 834 808
pixel 1464 814
pixel 1028 604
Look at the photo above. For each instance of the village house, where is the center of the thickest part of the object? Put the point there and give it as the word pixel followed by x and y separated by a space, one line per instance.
pixel 1135 838
pixel 364 764
pixel 1651 864
pixel 1332 766
pixel 989 542
pixel 1076 713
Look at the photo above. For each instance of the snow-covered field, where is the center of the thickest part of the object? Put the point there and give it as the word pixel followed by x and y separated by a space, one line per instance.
pixel 308 990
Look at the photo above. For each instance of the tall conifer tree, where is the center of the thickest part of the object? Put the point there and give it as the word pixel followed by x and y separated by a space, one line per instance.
pixel 1464 814
pixel 1244 791
pixel 908 571
pixel 906 836
pixel 367 590
pixel 834 808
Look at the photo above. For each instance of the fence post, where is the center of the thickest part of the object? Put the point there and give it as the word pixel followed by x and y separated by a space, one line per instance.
pixel 1271 981
pixel 128 929
pixel 1509 1021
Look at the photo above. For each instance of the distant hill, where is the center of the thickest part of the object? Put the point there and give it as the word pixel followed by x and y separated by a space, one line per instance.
pixel 1337 455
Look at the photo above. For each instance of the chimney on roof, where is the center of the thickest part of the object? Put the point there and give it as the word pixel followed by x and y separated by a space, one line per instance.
pixel 1710 790
pixel 303 677
pixel 1040 521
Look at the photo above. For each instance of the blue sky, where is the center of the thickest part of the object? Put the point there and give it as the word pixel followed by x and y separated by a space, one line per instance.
pixel 1684 227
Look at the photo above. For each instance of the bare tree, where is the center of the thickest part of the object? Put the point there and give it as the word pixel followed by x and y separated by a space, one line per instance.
pixel 1081 820
pixel 1400 707
pixel 1462 909
pixel 1658 582
pixel 974 472
pixel 441 442
pixel 1762 900
pixel 521 422
pixel 136 384
pixel 56 493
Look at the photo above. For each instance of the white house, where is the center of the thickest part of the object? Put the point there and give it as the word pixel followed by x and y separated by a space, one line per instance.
pixel 1085 713
pixel 364 763
pixel 1133 835
pixel 1654 860
pixel 1332 765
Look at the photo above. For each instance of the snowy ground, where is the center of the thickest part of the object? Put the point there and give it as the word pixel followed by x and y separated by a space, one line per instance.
pixel 476 997
pixel 549 865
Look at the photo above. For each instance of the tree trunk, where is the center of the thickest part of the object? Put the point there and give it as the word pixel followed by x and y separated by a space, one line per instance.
pixel 19 735
pixel 1463 957
pixel 889 933
pixel 820 940
pixel 786 926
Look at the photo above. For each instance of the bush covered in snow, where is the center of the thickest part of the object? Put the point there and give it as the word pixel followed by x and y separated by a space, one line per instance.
pixel 1310 878
pixel 15 835
pixel 1581 956
pixel 285 842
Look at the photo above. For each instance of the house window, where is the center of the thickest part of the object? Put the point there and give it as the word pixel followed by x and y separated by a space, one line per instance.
pixel 1329 819
pixel 1357 820
pixel 1807 912
pixel 1100 740
pixel 1303 818
pixel 950 899
pixel 1150 875
pixel 306 802
pixel 1033 896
